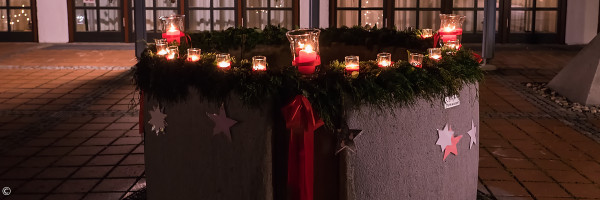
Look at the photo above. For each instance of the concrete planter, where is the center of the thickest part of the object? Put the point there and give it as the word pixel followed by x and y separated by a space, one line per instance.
pixel 396 156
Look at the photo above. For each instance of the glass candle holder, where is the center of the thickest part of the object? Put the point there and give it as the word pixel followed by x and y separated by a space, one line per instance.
pixel 384 59
pixel 451 26
pixel 351 63
pixel 304 45
pixel 452 45
pixel 161 46
pixel 427 33
pixel 173 53
pixel 416 59
pixel 223 61
pixel 435 53
pixel 259 63
pixel 173 27
pixel 193 54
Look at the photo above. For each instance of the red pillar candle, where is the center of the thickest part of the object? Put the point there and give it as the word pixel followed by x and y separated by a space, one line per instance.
pixel 304 45
pixel 352 64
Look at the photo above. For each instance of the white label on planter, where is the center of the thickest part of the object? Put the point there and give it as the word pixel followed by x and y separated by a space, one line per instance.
pixel 452 101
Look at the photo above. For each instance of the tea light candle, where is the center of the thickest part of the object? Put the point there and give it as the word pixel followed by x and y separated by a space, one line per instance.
pixel 384 59
pixel 161 46
pixel 173 53
pixel 223 61
pixel 435 53
pixel 453 45
pixel 426 33
pixel 259 63
pixel 416 59
pixel 352 63
pixel 193 54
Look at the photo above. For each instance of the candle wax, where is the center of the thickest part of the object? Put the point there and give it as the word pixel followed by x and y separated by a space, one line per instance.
pixel 352 67
pixel 435 57
pixel 384 64
pixel 162 52
pixel 194 58
pixel 259 67
pixel 224 64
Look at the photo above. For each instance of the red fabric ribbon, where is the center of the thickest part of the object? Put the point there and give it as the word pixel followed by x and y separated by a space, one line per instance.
pixel 141 113
pixel 302 122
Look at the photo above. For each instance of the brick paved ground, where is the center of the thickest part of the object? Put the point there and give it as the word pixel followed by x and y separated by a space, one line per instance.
pixel 72 133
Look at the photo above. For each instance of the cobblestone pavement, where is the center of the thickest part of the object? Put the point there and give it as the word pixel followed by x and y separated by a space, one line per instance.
pixel 68 127
pixel 530 147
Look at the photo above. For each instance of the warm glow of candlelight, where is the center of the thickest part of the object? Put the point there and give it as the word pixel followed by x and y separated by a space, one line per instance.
pixel 449 29
pixel 194 58
pixel 435 57
pixel 224 64
pixel 162 52
pixel 384 63
pixel 172 28
pixel 259 67
pixel 171 56
pixel 308 48
pixel 352 67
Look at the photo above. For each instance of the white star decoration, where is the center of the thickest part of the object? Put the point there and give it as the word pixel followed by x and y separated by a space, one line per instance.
pixel 157 120
pixel 472 133
pixel 445 137
pixel 222 123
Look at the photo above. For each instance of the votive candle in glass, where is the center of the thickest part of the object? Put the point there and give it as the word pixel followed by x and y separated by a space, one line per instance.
pixel 161 46
pixel 173 53
pixel 416 59
pixel 259 63
pixel 427 33
pixel 453 45
pixel 223 61
pixel 193 54
pixel 435 53
pixel 351 63
pixel 384 59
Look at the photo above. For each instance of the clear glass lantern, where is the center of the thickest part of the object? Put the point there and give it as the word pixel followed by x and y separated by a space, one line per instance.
pixel 352 63
pixel 173 27
pixel 435 53
pixel 384 59
pixel 223 61
pixel 161 46
pixel 451 26
pixel 415 59
pixel 426 33
pixel 259 63
pixel 193 54
pixel 453 45
pixel 173 53
pixel 304 44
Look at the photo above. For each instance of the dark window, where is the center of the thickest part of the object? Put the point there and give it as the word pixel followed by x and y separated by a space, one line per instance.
pixel 15 16
pixel 259 13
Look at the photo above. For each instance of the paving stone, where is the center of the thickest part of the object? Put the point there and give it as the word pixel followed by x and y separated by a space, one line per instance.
pixel 77 186
pixel 38 186
pixel 56 173
pixel 127 171
pixel 106 160
pixel 545 189
pixel 92 172
pixel 506 188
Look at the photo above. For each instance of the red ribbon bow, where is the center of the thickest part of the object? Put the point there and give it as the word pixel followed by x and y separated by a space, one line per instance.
pixel 302 122
pixel 436 39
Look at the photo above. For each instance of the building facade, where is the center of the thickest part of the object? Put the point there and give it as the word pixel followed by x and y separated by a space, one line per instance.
pixel 518 21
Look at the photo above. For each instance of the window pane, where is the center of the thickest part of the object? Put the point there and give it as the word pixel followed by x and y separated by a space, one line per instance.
pixel 405 3
pixel 86 20
pixel 281 3
pixel 223 3
pixel 372 18
pixel 149 3
pixel 256 3
pixel 282 18
pixel 166 3
pixel 200 3
pixel 545 21
pixel 256 19
pixel 429 19
pixel 481 4
pixel 468 24
pixel 162 13
pixel 110 3
pixel 3 20
pixel 347 3
pixel 224 19
pixel 546 4
pixel 199 20
pixel 110 20
pixel 403 19
pixel 20 20
pixel 430 3
pixel 520 21
pixel 521 4
pixel 79 3
pixel 149 22
pixel 480 20
pixel 464 3
pixel 2 3
pixel 347 18
pixel 20 2
pixel 372 3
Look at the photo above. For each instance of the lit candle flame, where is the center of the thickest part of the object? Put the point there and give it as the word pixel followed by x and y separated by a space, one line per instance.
pixel 162 52
pixel 259 67
pixel 384 63
pixel 224 64
pixel 194 58
pixel 308 48
pixel 449 29
pixel 435 57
